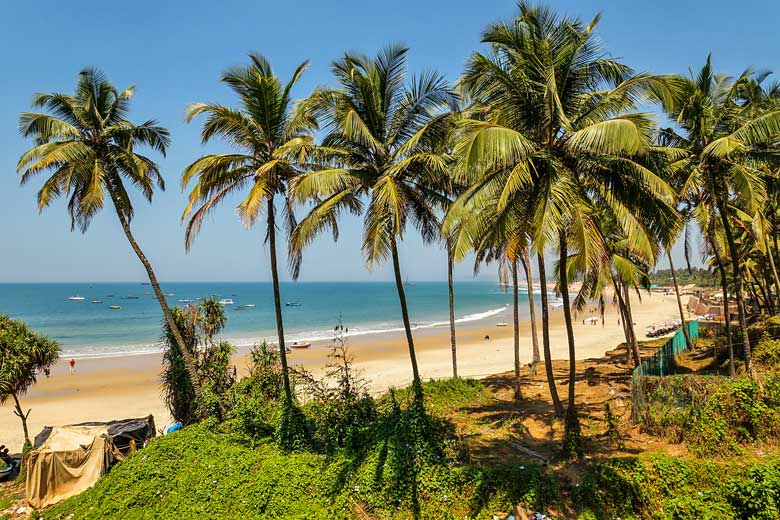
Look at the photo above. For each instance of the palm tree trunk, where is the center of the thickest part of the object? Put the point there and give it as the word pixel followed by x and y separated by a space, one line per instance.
pixel 776 279
pixel 399 285
pixel 572 443
pixel 602 309
pixel 23 417
pixel 535 356
pixel 630 351
pixel 451 289
pixel 278 302
pixel 516 330
pixel 189 360
pixel 629 318
pixel 726 314
pixel 546 339
pixel 688 343
pixel 737 273
pixel 735 261
pixel 630 325
pixel 760 301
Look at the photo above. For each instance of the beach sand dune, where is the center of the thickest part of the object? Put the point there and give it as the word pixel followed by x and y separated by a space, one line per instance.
pixel 121 387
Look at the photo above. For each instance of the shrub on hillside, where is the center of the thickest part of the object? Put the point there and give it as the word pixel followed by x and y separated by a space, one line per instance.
pixel 767 352
pixel 198 325
pixel 713 415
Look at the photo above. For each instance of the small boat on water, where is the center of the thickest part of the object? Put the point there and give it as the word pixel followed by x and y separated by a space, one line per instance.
pixel 239 308
pixel 75 298
pixel 96 301
pixel 185 300
pixel 226 301
pixel 170 294
pixel 501 324
pixel 300 344
pixel 249 305
pixel 115 307
pixel 293 304
pixel 129 297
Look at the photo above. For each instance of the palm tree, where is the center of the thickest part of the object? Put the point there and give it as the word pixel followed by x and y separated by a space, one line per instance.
pixel 377 150
pixel 272 137
pixel 89 146
pixel 559 131
pixel 724 145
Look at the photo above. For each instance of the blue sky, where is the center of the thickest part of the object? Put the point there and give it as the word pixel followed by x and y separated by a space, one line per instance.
pixel 174 52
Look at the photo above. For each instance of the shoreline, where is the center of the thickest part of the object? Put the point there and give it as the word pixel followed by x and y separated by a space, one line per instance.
pixel 122 386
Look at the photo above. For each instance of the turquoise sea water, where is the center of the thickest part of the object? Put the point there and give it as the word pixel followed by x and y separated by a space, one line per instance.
pixel 87 329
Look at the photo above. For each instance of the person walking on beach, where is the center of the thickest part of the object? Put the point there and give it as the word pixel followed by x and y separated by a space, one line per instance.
pixel 72 364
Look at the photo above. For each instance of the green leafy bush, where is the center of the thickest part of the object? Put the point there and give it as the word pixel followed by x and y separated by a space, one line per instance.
pixel 767 352
pixel 713 415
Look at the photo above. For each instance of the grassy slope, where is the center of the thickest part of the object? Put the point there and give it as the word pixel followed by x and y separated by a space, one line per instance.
pixel 198 473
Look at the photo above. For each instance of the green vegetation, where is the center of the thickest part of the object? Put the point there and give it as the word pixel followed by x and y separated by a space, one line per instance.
pixel 715 416
pixel 198 325
pixel 767 352
pixel 23 354
pixel 220 472
pixel 697 276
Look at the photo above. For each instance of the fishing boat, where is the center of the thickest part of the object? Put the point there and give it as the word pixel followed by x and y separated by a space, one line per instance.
pixel 226 301
pixel 75 298
pixel 115 307
pixel 293 304
pixel 300 344
pixel 96 301
pixel 185 300
pixel 239 308
pixel 501 324
pixel 129 297
pixel 249 305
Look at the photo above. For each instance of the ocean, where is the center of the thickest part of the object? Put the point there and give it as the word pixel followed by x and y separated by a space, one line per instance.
pixel 91 328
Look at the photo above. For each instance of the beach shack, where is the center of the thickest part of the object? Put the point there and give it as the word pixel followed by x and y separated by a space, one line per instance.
pixel 66 460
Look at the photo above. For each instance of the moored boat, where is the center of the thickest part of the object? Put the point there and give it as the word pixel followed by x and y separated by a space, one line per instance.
pixel 300 344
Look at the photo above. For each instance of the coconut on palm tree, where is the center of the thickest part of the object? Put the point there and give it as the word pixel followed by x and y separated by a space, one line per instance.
pixel 89 147
pixel 377 154
pixel 272 137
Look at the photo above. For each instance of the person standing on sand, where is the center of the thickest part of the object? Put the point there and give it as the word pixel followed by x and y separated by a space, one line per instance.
pixel 72 364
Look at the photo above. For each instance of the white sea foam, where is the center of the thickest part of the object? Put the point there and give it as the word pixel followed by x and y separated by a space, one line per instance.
pixel 107 351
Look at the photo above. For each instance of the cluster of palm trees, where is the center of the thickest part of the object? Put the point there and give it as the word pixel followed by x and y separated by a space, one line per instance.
pixel 542 149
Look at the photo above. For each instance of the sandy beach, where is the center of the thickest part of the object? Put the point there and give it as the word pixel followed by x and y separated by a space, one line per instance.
pixel 120 387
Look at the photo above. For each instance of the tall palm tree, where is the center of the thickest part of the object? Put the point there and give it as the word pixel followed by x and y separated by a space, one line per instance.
pixel 724 144
pixel 559 129
pixel 377 151
pixel 89 146
pixel 272 136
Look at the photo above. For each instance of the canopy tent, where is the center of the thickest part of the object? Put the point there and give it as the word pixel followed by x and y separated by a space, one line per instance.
pixel 66 460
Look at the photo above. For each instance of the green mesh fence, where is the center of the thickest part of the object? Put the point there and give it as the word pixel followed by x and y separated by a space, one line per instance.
pixel 660 364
